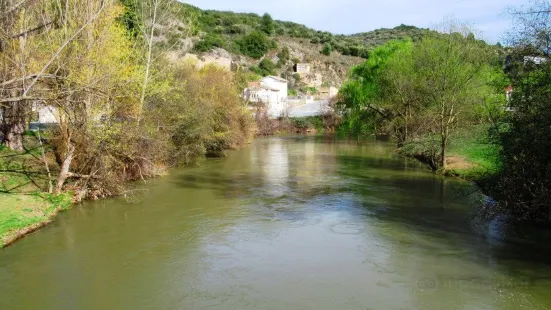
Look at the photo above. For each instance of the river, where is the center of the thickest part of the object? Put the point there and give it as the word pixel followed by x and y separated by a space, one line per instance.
pixel 286 223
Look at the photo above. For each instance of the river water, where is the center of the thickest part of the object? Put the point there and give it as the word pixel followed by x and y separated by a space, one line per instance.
pixel 286 223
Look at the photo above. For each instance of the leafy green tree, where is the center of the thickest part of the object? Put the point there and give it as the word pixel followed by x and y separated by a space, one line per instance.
pixel 360 98
pixel 130 18
pixel 284 55
pixel 523 187
pixel 420 92
pixel 452 70
pixel 254 45
pixel 267 24
pixel 267 67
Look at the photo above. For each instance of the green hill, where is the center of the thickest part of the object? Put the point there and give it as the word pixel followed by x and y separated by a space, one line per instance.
pixel 225 29
pixel 271 47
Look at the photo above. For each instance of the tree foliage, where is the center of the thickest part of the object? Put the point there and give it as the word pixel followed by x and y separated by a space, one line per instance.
pixel 255 44
pixel 267 25
pixel 111 124
pixel 523 188
pixel 421 91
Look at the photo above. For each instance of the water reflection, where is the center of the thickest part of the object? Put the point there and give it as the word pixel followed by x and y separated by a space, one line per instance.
pixel 294 222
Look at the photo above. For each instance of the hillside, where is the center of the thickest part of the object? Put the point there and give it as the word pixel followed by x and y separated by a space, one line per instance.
pixel 260 45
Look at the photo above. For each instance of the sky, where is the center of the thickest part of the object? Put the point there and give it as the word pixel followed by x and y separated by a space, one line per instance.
pixel 354 16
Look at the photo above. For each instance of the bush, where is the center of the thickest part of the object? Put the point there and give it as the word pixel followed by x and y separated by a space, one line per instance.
pixel 206 114
pixel 267 66
pixel 284 55
pixel 209 42
pixel 327 49
pixel 254 45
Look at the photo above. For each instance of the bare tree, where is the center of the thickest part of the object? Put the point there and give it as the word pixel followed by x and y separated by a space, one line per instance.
pixel 532 26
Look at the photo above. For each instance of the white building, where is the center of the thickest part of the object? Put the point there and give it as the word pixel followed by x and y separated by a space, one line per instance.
pixel 534 59
pixel 327 93
pixel 270 90
pixel 303 68
pixel 45 114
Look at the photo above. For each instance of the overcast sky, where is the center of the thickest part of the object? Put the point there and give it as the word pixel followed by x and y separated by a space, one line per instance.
pixel 353 16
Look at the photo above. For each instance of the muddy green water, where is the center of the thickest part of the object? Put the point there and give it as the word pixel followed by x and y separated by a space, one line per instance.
pixel 286 223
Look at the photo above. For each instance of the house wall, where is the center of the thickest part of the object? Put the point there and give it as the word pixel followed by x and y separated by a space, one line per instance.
pixel 333 92
pixel 303 68
pixel 46 115
pixel 277 102
pixel 272 91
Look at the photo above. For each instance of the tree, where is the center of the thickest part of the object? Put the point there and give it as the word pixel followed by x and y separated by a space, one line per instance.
pixel 17 94
pixel 267 67
pixel 361 96
pixel 523 186
pixel 254 45
pixel 327 49
pixel 267 24
pixel 399 94
pixel 451 69
pixel 420 92
pixel 209 42
pixel 284 56
pixel 531 26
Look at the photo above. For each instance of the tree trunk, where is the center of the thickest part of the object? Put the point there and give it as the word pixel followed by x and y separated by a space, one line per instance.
pixel 64 173
pixel 14 125
pixel 148 62
pixel 443 146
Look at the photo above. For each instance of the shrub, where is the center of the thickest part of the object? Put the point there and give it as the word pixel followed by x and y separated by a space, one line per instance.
pixel 254 45
pixel 209 42
pixel 327 49
pixel 267 66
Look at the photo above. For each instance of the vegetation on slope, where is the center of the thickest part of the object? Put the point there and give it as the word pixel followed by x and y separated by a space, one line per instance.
pixel 227 30
pixel 123 111
pixel 443 99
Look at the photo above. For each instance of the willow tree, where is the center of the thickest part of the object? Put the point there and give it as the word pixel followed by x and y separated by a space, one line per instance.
pixel 451 69
pixel 361 98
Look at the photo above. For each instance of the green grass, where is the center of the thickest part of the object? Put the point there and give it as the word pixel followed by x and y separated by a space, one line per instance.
pixel 474 146
pixel 19 212
pixel 23 205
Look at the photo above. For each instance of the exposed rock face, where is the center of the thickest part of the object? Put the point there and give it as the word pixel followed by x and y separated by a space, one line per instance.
pixel 218 57
pixel 325 70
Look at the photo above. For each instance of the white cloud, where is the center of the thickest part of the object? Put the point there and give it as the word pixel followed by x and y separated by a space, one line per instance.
pixel 353 16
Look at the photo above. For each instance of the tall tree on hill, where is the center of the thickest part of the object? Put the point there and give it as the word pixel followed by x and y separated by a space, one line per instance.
pixel 267 25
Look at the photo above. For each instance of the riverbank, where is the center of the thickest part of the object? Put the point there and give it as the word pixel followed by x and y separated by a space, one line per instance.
pixel 472 156
pixel 283 213
pixel 24 206
pixel 22 214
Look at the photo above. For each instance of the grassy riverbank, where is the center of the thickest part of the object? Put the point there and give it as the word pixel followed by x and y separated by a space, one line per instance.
pixel 21 214
pixel 24 207
pixel 472 155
